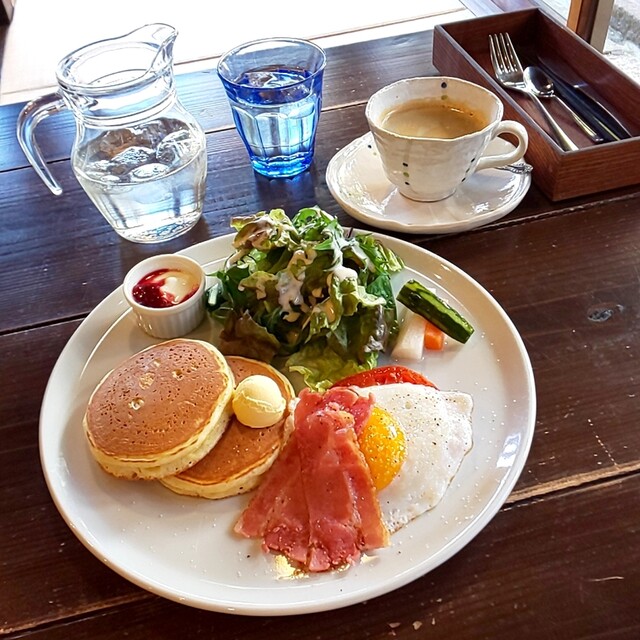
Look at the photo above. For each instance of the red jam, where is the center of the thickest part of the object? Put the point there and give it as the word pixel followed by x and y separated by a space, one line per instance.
pixel 165 288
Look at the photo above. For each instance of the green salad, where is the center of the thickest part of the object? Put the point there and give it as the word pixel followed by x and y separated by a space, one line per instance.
pixel 305 296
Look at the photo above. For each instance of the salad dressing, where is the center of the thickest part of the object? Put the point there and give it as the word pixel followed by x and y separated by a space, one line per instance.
pixel 343 273
pixel 289 291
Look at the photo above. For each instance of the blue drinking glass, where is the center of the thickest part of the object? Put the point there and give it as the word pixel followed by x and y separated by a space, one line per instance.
pixel 274 86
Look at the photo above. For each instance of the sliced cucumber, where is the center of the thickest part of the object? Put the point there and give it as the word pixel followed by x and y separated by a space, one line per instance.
pixel 420 300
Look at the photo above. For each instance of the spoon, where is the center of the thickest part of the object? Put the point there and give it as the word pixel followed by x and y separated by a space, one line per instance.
pixel 519 168
pixel 542 85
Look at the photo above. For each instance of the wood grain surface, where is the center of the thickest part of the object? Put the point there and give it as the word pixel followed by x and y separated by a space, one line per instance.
pixel 561 559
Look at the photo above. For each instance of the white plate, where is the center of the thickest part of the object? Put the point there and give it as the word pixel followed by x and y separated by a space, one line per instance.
pixel 183 548
pixel 356 180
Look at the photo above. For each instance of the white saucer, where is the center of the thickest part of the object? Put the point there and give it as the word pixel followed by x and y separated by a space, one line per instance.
pixel 356 180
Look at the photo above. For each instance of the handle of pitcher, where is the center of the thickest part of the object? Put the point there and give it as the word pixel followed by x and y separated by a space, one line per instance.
pixel 33 113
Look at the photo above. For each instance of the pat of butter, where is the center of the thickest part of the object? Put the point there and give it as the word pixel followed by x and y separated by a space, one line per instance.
pixel 258 402
pixel 178 284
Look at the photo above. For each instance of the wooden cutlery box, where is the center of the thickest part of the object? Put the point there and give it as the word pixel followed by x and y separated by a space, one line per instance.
pixel 461 49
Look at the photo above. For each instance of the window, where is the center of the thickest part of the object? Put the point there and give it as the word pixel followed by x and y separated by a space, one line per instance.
pixel 611 26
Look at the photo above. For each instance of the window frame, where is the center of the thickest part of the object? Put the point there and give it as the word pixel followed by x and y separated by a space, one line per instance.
pixel 7 9
pixel 589 19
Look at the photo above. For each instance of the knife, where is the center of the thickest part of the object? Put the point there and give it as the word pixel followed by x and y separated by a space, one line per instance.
pixel 590 109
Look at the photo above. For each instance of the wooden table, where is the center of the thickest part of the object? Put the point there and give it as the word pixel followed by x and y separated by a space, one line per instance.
pixel 561 559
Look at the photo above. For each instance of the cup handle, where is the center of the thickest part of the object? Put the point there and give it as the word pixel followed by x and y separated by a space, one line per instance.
pixel 514 128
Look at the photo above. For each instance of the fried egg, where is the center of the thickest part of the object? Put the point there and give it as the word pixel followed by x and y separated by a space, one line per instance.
pixel 437 433
pixel 383 445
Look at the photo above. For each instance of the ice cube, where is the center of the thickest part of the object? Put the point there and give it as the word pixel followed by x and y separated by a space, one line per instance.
pixel 147 135
pixel 148 172
pixel 97 170
pixel 112 143
pixel 260 79
pixel 174 147
pixel 130 159
pixel 150 134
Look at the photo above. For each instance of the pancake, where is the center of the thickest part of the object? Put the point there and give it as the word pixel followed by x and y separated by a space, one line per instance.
pixel 243 454
pixel 161 410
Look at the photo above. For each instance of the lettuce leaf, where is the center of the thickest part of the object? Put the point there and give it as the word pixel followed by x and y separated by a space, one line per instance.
pixel 303 293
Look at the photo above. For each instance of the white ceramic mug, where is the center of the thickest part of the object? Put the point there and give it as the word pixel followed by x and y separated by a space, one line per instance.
pixel 431 169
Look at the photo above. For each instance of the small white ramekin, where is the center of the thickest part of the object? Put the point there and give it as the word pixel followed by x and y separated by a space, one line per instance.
pixel 167 322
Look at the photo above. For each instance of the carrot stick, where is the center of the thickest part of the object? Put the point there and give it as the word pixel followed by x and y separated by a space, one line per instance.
pixel 433 337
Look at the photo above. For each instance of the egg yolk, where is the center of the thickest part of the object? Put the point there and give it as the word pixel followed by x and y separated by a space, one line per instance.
pixel 382 443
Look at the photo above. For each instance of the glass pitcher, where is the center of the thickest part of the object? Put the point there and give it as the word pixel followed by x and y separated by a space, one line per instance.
pixel 139 155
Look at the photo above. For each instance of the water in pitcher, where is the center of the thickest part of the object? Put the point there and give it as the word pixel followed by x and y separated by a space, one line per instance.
pixel 148 181
pixel 138 153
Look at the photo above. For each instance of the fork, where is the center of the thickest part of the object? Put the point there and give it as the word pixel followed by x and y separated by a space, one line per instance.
pixel 510 75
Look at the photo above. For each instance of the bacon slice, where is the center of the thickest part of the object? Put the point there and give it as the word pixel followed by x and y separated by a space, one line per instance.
pixel 351 402
pixel 278 511
pixel 317 504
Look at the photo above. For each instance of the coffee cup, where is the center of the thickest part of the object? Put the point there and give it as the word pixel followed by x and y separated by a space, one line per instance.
pixel 432 134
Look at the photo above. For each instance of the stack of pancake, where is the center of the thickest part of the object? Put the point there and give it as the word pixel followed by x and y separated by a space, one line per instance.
pixel 166 414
